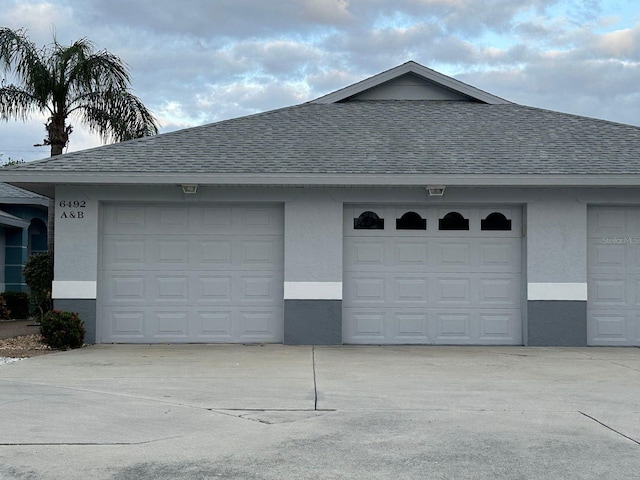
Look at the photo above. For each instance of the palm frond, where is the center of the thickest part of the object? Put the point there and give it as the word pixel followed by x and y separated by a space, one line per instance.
pixel 18 104
pixel 18 53
pixel 116 115
pixel 95 71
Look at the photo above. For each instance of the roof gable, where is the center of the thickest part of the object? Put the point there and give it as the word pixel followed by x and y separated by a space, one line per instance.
pixel 410 81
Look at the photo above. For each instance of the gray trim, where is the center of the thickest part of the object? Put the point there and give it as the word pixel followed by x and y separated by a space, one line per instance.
pixel 557 323
pixel 8 220
pixel 416 69
pixel 313 322
pixel 44 182
pixel 86 308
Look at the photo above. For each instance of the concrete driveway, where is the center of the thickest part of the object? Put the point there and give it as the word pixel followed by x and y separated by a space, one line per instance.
pixel 282 412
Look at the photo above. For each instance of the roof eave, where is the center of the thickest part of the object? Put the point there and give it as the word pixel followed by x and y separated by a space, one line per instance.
pixel 44 182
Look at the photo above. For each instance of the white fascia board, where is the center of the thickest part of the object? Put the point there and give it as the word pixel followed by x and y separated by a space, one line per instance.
pixel 33 178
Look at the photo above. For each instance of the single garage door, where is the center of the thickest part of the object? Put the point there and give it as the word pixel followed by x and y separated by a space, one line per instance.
pixel 191 273
pixel 613 272
pixel 432 275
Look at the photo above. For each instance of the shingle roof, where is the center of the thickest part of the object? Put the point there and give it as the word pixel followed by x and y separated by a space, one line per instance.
pixel 376 137
pixel 9 192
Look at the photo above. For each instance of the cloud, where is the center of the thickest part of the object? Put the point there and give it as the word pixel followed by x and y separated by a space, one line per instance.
pixel 621 44
pixel 199 61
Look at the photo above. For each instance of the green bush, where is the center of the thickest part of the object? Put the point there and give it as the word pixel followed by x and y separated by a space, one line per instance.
pixel 62 330
pixel 17 303
pixel 38 275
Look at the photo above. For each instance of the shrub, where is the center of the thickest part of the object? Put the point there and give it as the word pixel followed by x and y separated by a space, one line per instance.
pixel 5 314
pixel 62 330
pixel 17 303
pixel 38 275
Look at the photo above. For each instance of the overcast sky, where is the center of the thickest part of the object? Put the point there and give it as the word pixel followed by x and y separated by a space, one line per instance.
pixel 199 61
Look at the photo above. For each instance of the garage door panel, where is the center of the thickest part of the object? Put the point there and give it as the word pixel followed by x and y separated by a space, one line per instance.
pixel 613 271
pixel 497 326
pixel 432 286
pixel 607 257
pixel 365 252
pixel 452 255
pixel 214 253
pixel 453 327
pixel 453 291
pixel 410 327
pixel 608 221
pixel 124 288
pixel 258 324
pixel 192 273
pixel 365 325
pixel 500 255
pixel 124 252
pixel 259 253
pixel 169 252
pixel 410 291
pixel 213 326
pixel 170 289
pixel 499 291
pixel 126 218
pixel 169 325
pixel 263 289
pixel 124 324
pixel 215 289
pixel 366 290
pixel 410 253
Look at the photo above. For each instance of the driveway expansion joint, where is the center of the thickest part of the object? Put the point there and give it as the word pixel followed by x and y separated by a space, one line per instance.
pixel 610 428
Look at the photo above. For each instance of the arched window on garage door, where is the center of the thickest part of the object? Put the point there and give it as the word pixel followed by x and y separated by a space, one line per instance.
pixel 411 221
pixel 368 221
pixel 453 221
pixel 496 221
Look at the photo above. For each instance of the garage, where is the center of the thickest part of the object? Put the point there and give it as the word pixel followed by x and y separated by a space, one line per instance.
pixel 191 273
pixel 432 275
pixel 613 270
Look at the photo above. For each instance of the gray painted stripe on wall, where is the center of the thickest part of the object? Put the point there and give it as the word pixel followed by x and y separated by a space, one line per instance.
pixel 555 323
pixel 313 322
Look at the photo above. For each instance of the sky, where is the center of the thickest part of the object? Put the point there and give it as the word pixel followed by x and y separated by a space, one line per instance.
pixel 194 62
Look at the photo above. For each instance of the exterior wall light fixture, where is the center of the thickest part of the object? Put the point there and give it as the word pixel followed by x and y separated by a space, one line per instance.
pixel 189 189
pixel 436 190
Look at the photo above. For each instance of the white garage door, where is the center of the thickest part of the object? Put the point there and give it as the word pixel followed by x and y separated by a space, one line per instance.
pixel 191 273
pixel 613 306
pixel 432 275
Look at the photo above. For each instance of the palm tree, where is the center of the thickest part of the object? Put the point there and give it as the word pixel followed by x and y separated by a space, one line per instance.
pixel 66 82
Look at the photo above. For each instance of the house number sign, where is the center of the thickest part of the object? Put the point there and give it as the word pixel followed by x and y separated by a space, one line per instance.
pixel 72 208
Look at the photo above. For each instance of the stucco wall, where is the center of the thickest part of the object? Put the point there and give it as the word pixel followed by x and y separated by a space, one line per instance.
pixel 313 237
pixel 554 244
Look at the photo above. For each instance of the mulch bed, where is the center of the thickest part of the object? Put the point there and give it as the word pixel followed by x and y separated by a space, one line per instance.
pixel 21 339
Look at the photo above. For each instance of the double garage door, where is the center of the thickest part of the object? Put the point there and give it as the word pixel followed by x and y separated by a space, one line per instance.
pixel 432 275
pixel 191 273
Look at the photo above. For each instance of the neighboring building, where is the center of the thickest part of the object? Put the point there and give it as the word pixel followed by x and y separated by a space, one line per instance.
pixel 407 208
pixel 23 231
